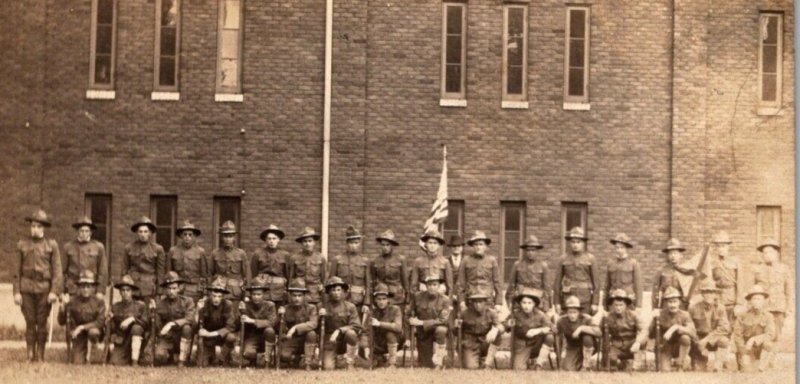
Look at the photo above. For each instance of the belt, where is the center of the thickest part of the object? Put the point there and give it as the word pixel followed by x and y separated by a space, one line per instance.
pixel 357 289
pixel 580 284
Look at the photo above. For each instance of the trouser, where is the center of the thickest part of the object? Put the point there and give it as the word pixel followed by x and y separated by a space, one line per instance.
pixel 346 342
pixel 292 348
pixel 228 343
pixel 525 349
pixel 619 352
pixel 699 354
pixel 167 346
pixel 475 347
pixel 128 346
pixel 386 343
pixel 779 317
pixel 760 353
pixel 254 343
pixel 81 343
pixel 575 351
pixel 676 347
pixel 425 344
pixel 35 310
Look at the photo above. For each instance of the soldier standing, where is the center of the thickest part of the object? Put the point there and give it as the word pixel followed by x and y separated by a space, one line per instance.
pixel 219 324
pixel 431 314
pixel 84 254
pixel 343 322
pixel 533 333
pixel 86 313
pixel 129 320
pixel 272 264
pixel 578 330
pixel 753 332
pixel 260 319
pixel 480 272
pixel 776 278
pixel 144 260
pixel 627 332
pixel 623 272
pixel 175 315
pixel 387 325
pixel 668 276
pixel 481 329
pixel 432 263
pixel 301 319
pixel 677 332
pixel 530 273
pixel 456 246
pixel 725 272
pixel 711 323
pixel 189 261
pixel 354 270
pixel 230 262
pixel 38 281
pixel 576 274
pixel 391 269
pixel 309 265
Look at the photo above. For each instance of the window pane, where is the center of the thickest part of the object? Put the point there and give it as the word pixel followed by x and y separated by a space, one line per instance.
pixel 514 86
pixel 515 21
pixel 512 219
pixel 164 211
pixel 575 82
pixel 573 219
pixel 453 49
pixel 102 69
pixel 577 20
pixel 454 20
pixel 453 79
pixel 511 248
pixel 230 44
pixel 576 52
pixel 229 77
pixel 105 11
pixel 515 50
pixel 769 87
pixel 104 38
pixel 166 71
pixel 228 211
pixel 770 30
pixel 770 58
pixel 168 41
pixel 169 12
pixel 231 16
pixel 451 223
pixel 99 209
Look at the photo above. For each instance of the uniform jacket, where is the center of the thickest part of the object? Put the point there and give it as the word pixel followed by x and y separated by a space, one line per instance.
pixel 710 319
pixel 38 267
pixel 273 265
pixel 87 311
pixel 481 273
pixel 577 272
pixel 223 318
pixel 392 270
pixel 627 275
pixel 425 265
pixel 146 263
pixel 528 274
pixel 354 269
pixel 303 316
pixel 82 256
pixel 433 308
pixel 310 267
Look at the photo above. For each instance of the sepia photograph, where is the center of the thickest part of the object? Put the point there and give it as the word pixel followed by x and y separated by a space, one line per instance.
pixel 398 191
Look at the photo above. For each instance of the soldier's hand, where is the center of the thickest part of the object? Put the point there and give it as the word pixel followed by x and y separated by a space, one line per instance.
pixel 247 319
pixel 376 322
pixel 577 332
pixel 152 304
pixel 65 298
pixel 365 309
pixel 635 347
pixel 127 322
pixel 52 298
pixel 511 322
pixel 323 312
pixel 334 336
pixel 594 308
pixel 203 333
pixel 201 303
pixel 17 299
pixel 100 295
pixel 532 333
pixel 492 335
pixel 456 323
pixel 165 330
pixel 669 332
pixel 281 310
pixel 749 344
pixel 76 332
pixel 558 308
pixel 463 306
pixel 417 322
pixel 291 332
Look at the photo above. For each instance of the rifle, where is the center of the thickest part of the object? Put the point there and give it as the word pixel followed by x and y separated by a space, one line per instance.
pixel 276 355
pixel 555 329
pixel 602 336
pixel 68 333
pixel 513 340
pixel 658 333
pixel 606 345
pixel 412 314
pixel 371 342
pixel 242 307
pixel 697 275
pixel 460 339
pixel 107 340
pixel 321 341
pixel 154 328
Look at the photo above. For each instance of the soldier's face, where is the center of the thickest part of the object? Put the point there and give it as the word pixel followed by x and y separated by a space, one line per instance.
pixel 336 293
pixel 572 314
pixel 770 255
pixel 479 247
pixel 272 240
pixel 86 290
pixel 143 233
pixel 187 238
pixel 432 286
pixel 723 249
pixel 215 298
pixel 478 305
pixel 432 245
pixel 173 290
pixel 674 304
pixel 622 250
pixel 618 306
pixel 84 233
pixel 675 256
pixel 353 245
pixel 297 298
pixel 228 239
pixel 530 253
pixel 308 244
pixel 526 304
pixel 382 301
pixel 757 301
pixel 386 247
pixel 709 297
pixel 576 245
pixel 257 296
pixel 457 250
pixel 37 230
pixel 126 293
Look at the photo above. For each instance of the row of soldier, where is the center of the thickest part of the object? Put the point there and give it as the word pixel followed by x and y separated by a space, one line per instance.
pixel 271 300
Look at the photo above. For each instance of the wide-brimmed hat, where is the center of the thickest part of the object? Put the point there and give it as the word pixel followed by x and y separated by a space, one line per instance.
pixel 456 241
pixel 126 281
pixel 623 239
pixel 721 237
pixel 258 283
pixel 671 293
pixel 709 285
pixel 87 277
pixel 188 226
pixel 40 217
pixel 432 234
pixel 307 232
pixel 172 277
pixel 769 242
pixel 297 285
pixel 352 233
pixel 84 221
pixel 673 244
pixel 576 233
pixel 336 281
pixel 227 227
pixel 144 220
pixel 532 242
pixel 218 285
pixel 572 302
pixel 477 236
pixel 533 293
pixel 477 294
pixel 382 289
pixel 619 294
pixel 387 235
pixel 756 290
pixel 432 278
pixel 272 228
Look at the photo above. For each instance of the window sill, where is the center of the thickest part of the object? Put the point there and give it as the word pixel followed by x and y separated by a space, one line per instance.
pixel 577 106
pixel 165 96
pixel 101 94
pixel 229 97
pixel 770 111
pixel 462 103
pixel 509 104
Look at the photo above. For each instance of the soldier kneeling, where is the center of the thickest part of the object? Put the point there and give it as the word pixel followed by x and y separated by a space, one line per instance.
pixel 711 323
pixel 342 320
pixel 677 332
pixel 626 331
pixel 86 315
pixel 129 320
pixel 258 318
pixel 175 314
pixel 753 332
pixel 387 325
pixel 218 314
pixel 533 333
pixel 579 333
pixel 481 328
pixel 301 320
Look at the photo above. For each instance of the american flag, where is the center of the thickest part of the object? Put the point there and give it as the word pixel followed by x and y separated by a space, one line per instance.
pixel 439 209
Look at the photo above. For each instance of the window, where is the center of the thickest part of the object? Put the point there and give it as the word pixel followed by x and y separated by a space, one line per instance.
pixel 164 213
pixel 572 215
pixel 103 44
pixel 769 223
pixel 576 66
pixel 229 44
pixel 770 59
pixel 454 51
pixel 454 224
pixel 515 52
pixel 512 234
pixel 98 208
pixel 168 38
pixel 226 208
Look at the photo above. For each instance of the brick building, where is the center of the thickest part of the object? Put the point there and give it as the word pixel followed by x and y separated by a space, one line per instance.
pixel 656 118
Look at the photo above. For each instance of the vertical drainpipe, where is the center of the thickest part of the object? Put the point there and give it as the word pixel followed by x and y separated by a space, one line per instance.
pixel 326 125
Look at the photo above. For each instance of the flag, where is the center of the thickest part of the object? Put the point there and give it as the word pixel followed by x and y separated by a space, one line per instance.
pixel 439 210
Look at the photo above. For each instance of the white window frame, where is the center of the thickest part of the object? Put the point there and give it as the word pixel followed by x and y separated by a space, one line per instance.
pixel 770 106
pixel 524 95
pixel 571 101
pixel 157 87
pixel 93 86
pixel 775 211
pixel 504 205
pixel 222 92
pixel 454 99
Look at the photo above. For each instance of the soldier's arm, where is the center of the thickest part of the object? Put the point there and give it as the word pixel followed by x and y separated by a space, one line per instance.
pixel 557 281
pixel 189 309
pixel 443 312
pixel 641 330
pixel 498 286
pixel 687 327
pixel 637 283
pixel 142 316
pixel 102 268
pixel 353 321
pixel 18 268
pixel 496 323
pixel 512 283
pixel 368 282
pixel 595 281
pixel 396 323
pixel 414 282
pixel 231 320
pixel 590 327
pixel 57 273
pixel 311 324
pixel 723 325
pixel 161 266
pixel 769 330
pixel 99 317
pixel 656 290
pixel 204 278
pixel 270 321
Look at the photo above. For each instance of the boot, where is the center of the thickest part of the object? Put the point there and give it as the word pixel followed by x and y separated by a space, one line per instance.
pixel 587 358
pixel 268 348
pixel 391 361
pixel 350 356
pixel 185 349
pixel 136 349
pixel 40 348
pixel 544 356
pixel 439 351
pixel 683 358
pixel 89 347
pixel 764 361
pixel 31 352
pixel 225 356
pixel 488 362
pixel 308 355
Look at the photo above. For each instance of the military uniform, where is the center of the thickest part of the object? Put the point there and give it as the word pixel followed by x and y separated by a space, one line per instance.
pixel 389 334
pixel 84 256
pixel 433 308
pixel 577 350
pixel 725 273
pixel 520 323
pixel 476 326
pixel 305 319
pixel 342 316
pixel 272 264
pixel 191 264
pixel 426 265
pixel 668 277
pixel 776 279
pixel 310 267
pixel 757 327
pixel 231 264
pixel 622 331
pixel 354 269
pixel 480 273
pixel 128 342
pixel 222 319
pixel 455 262
pixel 88 313
pixel 678 345
pixel 576 275
pixel 391 270
pixel 712 327
pixel 624 273
pixel 38 279
pixel 260 335
pixel 145 262
pixel 529 274
pixel 180 311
